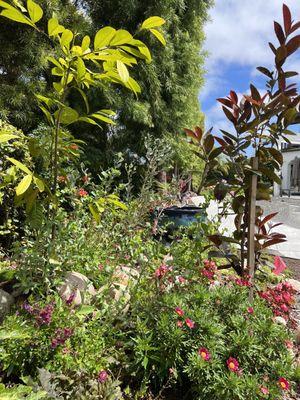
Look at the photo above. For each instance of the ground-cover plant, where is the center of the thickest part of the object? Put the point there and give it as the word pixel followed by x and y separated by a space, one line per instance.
pixel 186 330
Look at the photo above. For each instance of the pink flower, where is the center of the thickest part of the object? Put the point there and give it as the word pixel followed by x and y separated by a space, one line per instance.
pixel 283 383
pixel 204 354
pixel 179 324
pixel 264 390
pixel 179 311
pixel 289 344
pixel 102 376
pixel 284 308
pixel 190 323
pixel 232 364
pixel 250 310
pixel 181 279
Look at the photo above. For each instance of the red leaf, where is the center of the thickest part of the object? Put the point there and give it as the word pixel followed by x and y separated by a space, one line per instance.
pixel 198 132
pixel 287 18
pixel 293 45
pixel 279 265
pixel 252 101
pixel 229 115
pixel 255 93
pixel 221 141
pixel 191 133
pixel 234 97
pixel 279 32
pixel 216 239
pixel 226 102
pixel 275 225
pixel 295 27
pixel 266 219
pixel 271 242
pixel 272 47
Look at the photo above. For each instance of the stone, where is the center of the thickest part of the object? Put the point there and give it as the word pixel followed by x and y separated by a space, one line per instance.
pixel 119 290
pixel 280 320
pixel 79 286
pixel 297 334
pixel 6 301
pixel 294 283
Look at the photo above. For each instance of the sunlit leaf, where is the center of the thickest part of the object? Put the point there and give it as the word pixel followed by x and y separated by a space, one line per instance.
pixel 122 71
pixel 35 11
pixel 152 22
pixel 19 165
pixel 23 185
pixel 103 37
pixel 158 35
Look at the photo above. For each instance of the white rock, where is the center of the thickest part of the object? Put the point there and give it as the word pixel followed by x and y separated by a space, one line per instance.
pixel 6 301
pixel 79 285
pixel 280 320
pixel 294 283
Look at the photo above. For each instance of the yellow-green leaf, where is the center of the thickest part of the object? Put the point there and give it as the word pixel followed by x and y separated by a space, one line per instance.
pixel 158 35
pixel 81 70
pixel 152 22
pixel 35 11
pixel 86 41
pixel 19 165
pixel 39 183
pixel 54 28
pixel 5 137
pixel 66 38
pixel 133 85
pixel 122 71
pixel 94 212
pixel 103 118
pixel 121 37
pixel 68 115
pixel 16 15
pixel 23 185
pixel 103 37
pixel 58 87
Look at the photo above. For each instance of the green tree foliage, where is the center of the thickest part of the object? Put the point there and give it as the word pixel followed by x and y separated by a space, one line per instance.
pixel 170 84
pixel 24 69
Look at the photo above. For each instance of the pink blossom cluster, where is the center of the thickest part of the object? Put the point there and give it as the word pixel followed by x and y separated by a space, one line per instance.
pixel 210 269
pixel 280 298
pixel 43 316
pixel 61 335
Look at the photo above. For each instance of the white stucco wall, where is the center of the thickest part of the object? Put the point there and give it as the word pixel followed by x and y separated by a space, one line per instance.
pixel 288 156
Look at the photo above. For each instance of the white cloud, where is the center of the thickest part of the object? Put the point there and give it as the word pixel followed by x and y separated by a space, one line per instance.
pixel 240 30
pixel 238 34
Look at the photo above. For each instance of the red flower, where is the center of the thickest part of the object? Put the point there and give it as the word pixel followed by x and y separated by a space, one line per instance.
pixel 82 193
pixel 190 323
pixel 232 364
pixel 283 383
pixel 179 311
pixel 204 354
pixel 264 390
pixel 250 310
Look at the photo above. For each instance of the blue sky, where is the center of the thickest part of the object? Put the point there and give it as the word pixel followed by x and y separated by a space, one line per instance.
pixel 237 42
